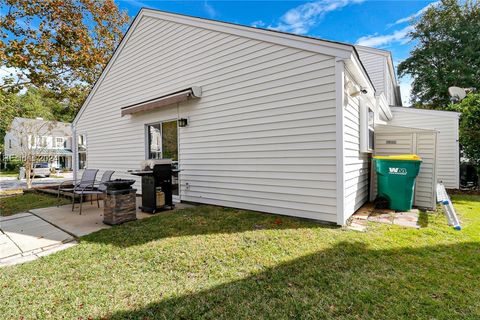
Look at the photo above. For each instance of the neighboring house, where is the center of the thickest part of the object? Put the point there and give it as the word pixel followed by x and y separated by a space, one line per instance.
pixel 51 141
pixel 270 121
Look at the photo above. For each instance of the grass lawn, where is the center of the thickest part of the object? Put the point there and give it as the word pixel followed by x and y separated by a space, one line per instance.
pixel 213 263
pixel 26 201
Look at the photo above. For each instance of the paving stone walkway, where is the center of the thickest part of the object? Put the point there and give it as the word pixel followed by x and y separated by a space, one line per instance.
pixel 25 237
pixel 368 212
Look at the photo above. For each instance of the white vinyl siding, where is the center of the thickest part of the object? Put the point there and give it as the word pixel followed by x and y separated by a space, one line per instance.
pixel 261 137
pixel 355 162
pixel 407 141
pixel 389 88
pixel 446 123
pixel 376 66
pixel 376 62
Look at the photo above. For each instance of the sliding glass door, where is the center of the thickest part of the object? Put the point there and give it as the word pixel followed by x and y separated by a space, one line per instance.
pixel 170 140
pixel 163 144
pixel 155 141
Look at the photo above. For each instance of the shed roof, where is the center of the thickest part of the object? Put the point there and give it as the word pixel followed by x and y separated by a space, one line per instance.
pixel 439 113
pixel 386 128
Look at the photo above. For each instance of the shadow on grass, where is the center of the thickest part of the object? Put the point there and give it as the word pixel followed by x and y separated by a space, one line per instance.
pixel 199 220
pixel 465 199
pixel 347 281
pixel 423 219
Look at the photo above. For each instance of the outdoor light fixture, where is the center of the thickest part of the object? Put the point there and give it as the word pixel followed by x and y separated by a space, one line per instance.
pixel 182 122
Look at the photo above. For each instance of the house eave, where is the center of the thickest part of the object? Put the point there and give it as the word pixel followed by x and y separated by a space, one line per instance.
pixel 439 113
pixel 332 48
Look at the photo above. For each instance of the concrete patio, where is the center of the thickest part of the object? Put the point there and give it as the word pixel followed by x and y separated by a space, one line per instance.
pixel 27 236
pixel 91 219
pixel 75 224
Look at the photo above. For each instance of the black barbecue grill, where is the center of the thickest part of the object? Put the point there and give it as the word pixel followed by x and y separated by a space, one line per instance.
pixel 156 185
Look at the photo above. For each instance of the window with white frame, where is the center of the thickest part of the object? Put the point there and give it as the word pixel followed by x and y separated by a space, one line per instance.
pixel 39 142
pixel 81 141
pixel 59 141
pixel 81 151
pixel 367 128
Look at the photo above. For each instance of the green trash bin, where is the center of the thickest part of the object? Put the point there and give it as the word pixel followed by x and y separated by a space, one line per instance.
pixel 396 179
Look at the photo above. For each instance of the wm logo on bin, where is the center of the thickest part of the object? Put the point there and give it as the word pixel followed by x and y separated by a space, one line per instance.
pixel 400 171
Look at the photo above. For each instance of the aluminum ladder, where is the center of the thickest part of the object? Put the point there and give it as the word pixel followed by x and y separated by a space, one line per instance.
pixel 444 199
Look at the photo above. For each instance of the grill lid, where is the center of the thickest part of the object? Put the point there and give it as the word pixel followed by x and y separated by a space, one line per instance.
pixel 149 164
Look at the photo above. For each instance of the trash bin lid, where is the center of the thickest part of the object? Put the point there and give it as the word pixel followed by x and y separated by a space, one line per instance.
pixel 399 157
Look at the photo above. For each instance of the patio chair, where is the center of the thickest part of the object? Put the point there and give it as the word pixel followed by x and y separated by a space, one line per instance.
pixel 97 189
pixel 86 181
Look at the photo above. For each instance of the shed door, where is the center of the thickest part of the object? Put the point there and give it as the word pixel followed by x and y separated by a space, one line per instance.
pixel 427 177
pixel 422 144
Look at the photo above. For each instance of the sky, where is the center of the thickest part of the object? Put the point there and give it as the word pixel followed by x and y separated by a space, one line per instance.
pixel 379 24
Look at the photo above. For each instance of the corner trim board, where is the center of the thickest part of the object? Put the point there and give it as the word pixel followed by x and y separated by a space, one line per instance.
pixel 340 164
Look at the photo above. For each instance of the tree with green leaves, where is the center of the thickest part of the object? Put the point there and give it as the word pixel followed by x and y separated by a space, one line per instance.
pixel 31 104
pixel 59 45
pixel 447 52
pixel 8 111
